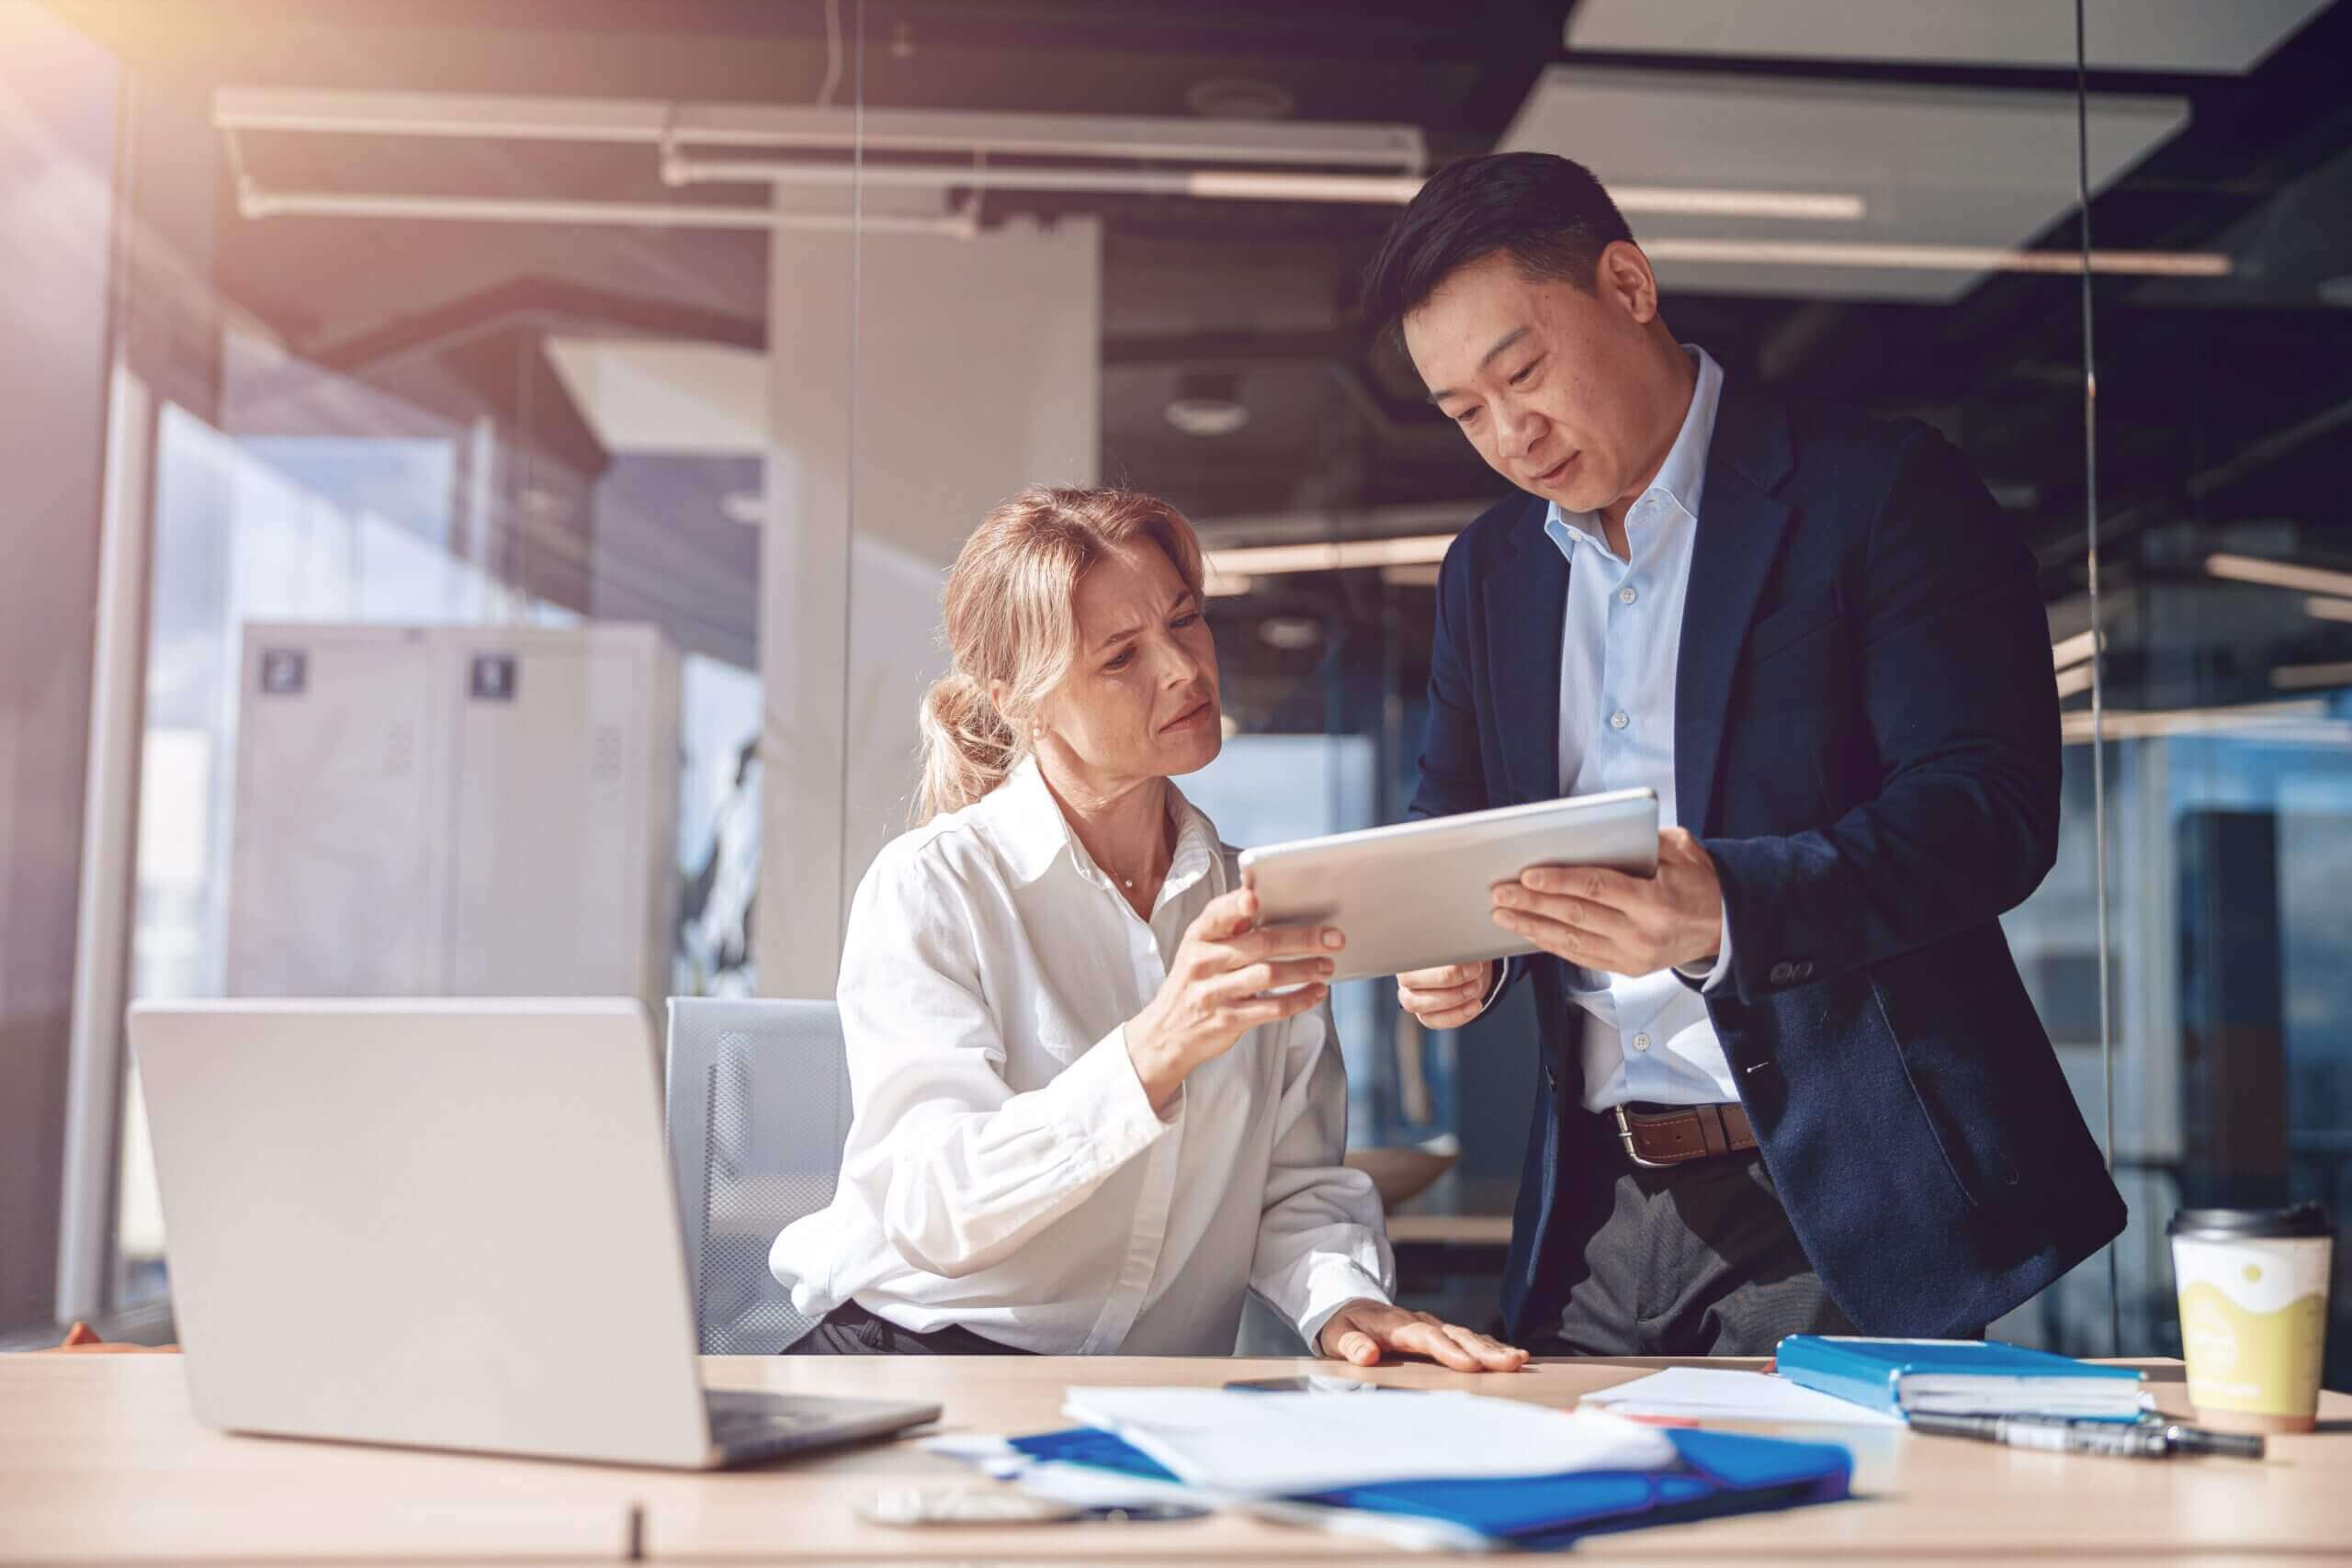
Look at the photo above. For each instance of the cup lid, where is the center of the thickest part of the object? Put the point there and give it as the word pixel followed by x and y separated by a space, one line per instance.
pixel 2304 1219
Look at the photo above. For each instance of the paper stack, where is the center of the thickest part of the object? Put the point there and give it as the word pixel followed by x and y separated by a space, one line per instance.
pixel 1284 1445
pixel 1452 1472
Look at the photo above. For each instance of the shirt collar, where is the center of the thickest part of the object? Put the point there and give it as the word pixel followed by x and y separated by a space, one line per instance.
pixel 1026 822
pixel 1681 477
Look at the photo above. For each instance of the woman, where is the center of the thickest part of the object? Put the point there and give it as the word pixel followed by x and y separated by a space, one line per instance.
pixel 1096 1101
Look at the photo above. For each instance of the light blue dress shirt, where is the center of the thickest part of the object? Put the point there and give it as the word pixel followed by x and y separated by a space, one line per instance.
pixel 1646 1037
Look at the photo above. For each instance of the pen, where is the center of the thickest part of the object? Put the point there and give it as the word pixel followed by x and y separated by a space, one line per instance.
pixel 2132 1440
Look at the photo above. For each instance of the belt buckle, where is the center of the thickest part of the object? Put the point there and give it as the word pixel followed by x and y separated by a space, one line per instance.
pixel 1625 1136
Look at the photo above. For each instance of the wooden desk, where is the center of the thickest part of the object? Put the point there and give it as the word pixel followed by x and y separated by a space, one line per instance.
pixel 99 1460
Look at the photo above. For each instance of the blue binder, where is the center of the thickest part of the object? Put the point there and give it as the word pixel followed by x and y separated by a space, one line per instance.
pixel 1958 1377
pixel 1721 1472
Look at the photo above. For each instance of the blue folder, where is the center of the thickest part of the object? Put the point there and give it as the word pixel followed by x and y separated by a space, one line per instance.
pixel 1720 1473
pixel 1970 1377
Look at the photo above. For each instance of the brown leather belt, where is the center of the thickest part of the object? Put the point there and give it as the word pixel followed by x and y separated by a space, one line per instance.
pixel 1679 1135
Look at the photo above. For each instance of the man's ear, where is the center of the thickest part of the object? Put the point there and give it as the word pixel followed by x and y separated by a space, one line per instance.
pixel 1623 278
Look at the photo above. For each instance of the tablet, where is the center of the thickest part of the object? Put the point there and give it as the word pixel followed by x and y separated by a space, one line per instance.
pixel 1420 894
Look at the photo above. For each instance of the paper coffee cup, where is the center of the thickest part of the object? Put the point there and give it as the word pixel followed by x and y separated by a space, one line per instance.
pixel 2252 1313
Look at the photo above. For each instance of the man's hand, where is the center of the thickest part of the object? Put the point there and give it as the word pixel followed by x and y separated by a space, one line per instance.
pixel 1364 1330
pixel 1448 997
pixel 1624 925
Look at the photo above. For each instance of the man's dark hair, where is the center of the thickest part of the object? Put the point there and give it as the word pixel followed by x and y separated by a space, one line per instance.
pixel 1547 211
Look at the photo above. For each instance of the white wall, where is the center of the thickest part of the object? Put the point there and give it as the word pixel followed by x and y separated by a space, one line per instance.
pixel 977 372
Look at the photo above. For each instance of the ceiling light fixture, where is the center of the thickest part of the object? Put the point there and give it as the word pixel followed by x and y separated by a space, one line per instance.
pixel 2305 677
pixel 2073 682
pixel 1346 555
pixel 1290 634
pixel 2074 650
pixel 961 133
pixel 1239 97
pixel 2278 574
pixel 1397 190
pixel 1232 185
pixel 1207 403
pixel 2329 609
pixel 2305 719
pixel 1937 258
pixel 254 202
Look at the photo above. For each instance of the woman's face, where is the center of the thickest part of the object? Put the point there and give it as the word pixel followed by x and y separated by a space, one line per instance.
pixel 1140 700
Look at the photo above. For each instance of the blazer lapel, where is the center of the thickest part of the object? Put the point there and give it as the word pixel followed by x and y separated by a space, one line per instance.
pixel 1527 607
pixel 1739 531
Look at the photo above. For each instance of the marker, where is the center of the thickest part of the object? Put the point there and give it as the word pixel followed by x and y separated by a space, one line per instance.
pixel 2058 1434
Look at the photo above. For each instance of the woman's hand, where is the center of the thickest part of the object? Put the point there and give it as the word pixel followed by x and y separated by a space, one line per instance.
pixel 1449 996
pixel 1362 1331
pixel 1213 993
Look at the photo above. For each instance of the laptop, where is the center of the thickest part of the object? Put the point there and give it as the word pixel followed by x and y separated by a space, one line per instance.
pixel 444 1225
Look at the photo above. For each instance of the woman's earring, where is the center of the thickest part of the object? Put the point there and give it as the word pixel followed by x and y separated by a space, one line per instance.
pixel 1036 732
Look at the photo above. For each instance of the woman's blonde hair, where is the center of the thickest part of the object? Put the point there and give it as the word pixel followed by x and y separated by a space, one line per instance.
pixel 1013 616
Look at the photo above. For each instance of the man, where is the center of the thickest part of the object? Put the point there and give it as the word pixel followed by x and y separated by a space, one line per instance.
pixel 1793 1083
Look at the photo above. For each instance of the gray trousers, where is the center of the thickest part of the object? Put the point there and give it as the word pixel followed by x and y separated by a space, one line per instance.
pixel 1694 1259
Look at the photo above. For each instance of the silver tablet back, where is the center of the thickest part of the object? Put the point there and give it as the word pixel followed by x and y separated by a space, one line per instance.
pixel 1419 894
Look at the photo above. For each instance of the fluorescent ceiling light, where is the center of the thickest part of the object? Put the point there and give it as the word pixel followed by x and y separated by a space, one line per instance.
pixel 651 122
pixel 1224 584
pixel 2304 677
pixel 969 138
pixel 2329 609
pixel 254 202
pixel 1937 258
pixel 1252 185
pixel 1231 185
pixel 2073 682
pixel 1346 555
pixel 2278 574
pixel 2074 650
pixel 2304 721
pixel 1828 207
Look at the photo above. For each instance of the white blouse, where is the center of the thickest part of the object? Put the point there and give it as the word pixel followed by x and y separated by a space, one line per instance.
pixel 1005 1170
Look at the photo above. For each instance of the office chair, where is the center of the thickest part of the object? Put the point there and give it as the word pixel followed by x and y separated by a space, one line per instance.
pixel 759 1107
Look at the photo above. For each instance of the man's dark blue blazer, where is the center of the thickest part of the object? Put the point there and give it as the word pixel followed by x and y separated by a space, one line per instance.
pixel 1866 740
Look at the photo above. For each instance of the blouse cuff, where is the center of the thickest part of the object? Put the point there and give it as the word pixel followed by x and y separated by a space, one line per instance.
pixel 1334 1283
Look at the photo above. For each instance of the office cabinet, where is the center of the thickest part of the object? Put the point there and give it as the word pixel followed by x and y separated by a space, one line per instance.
pixel 454 810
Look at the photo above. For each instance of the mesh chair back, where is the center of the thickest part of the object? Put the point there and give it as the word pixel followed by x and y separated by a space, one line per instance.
pixel 759 1110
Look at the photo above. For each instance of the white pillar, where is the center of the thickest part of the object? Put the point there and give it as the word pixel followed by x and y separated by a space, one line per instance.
pixel 977 371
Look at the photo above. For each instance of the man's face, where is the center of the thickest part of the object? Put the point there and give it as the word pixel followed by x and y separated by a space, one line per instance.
pixel 1552 385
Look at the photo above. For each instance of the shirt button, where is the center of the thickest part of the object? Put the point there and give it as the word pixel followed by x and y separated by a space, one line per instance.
pixel 1626 595
pixel 1640 1041
pixel 1619 720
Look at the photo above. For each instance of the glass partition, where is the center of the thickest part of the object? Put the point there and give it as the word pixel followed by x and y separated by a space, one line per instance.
pixel 1872 215
pixel 453 679
pixel 2227 609
pixel 565 422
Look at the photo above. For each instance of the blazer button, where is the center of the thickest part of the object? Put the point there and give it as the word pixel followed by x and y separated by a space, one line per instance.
pixel 1782 972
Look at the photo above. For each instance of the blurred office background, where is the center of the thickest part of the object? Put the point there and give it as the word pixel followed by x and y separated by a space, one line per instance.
pixel 478 476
